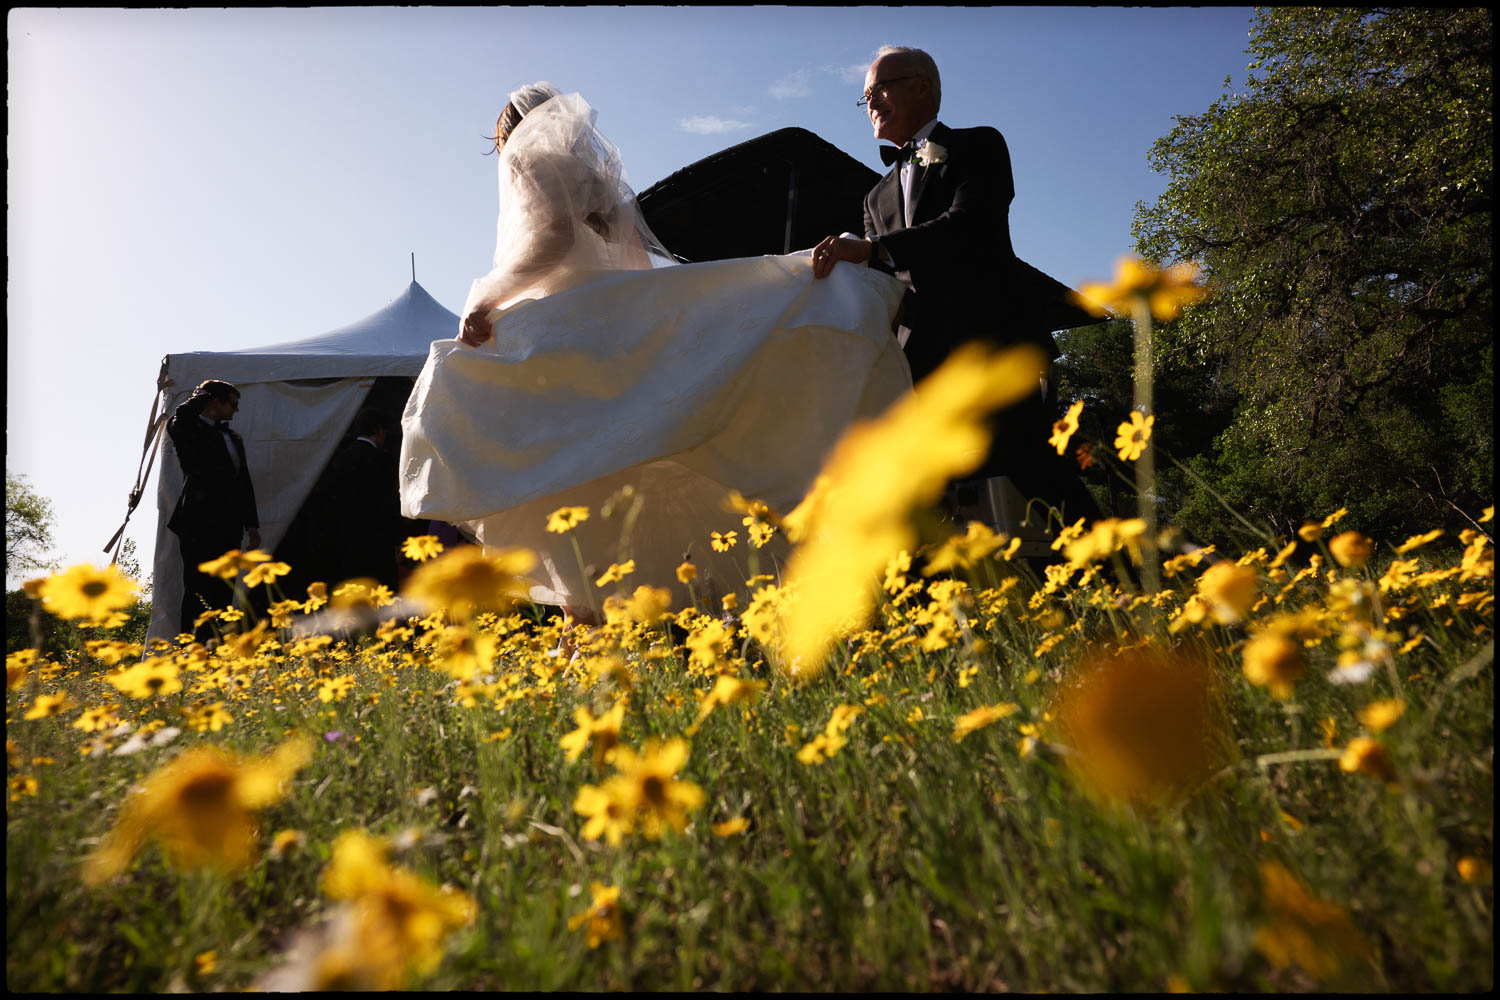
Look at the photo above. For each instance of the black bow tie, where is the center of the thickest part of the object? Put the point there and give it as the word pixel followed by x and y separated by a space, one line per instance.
pixel 223 425
pixel 893 154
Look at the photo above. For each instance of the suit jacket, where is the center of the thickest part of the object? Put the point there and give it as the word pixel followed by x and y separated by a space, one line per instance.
pixel 359 502
pixel 956 257
pixel 217 498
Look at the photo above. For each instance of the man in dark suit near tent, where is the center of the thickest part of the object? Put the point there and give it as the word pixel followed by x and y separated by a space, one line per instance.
pixel 358 499
pixel 940 221
pixel 216 510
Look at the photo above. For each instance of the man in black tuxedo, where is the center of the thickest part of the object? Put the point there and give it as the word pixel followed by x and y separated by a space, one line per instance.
pixel 940 221
pixel 359 501
pixel 216 510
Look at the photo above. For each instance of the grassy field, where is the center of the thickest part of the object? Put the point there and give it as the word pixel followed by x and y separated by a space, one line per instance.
pixel 1274 774
pixel 906 760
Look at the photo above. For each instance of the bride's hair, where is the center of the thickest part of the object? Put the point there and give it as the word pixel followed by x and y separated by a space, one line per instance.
pixel 521 103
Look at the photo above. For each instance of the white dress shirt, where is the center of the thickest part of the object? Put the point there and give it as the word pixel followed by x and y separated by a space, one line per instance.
pixel 909 170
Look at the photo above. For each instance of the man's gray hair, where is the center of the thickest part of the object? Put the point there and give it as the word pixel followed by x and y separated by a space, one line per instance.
pixel 924 63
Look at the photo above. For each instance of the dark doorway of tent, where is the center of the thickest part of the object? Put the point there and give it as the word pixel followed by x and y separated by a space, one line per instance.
pixel 339 513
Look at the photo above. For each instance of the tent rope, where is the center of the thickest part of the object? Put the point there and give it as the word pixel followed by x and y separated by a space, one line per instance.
pixel 149 448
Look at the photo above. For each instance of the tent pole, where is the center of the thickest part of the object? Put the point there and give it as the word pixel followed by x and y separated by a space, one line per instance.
pixel 413 267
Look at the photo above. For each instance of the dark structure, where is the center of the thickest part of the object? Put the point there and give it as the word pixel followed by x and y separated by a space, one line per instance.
pixel 785 191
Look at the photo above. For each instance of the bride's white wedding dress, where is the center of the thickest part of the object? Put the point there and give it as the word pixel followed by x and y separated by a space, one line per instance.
pixel 684 382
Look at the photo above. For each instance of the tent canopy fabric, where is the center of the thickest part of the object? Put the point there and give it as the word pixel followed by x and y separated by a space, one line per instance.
pixel 296 400
pixel 775 194
pixel 391 341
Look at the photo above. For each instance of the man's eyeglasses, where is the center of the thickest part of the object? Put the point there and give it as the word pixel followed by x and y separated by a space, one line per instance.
pixel 881 90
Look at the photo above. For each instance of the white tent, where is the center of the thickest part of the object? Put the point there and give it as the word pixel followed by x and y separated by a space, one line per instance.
pixel 296 401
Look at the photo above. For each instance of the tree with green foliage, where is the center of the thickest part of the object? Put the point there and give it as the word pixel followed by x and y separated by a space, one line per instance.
pixel 1341 209
pixel 28 528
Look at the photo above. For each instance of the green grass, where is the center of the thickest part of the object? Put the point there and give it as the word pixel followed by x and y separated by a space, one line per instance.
pixel 906 861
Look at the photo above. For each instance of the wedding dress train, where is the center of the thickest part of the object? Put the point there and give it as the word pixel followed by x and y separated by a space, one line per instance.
pixel 683 382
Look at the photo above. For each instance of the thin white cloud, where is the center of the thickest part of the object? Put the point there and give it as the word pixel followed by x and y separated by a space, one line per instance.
pixel 710 124
pixel 797 83
pixel 852 73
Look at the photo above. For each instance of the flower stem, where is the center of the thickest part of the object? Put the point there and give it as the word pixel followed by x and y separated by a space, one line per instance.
pixel 1145 466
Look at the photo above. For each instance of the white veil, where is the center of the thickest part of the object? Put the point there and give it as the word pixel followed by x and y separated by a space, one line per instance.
pixel 566 209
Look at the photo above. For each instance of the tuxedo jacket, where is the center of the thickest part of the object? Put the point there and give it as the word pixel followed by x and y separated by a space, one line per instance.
pixel 217 498
pixel 359 503
pixel 956 256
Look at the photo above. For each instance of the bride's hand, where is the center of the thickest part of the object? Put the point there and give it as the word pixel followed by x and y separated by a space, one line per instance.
pixel 476 327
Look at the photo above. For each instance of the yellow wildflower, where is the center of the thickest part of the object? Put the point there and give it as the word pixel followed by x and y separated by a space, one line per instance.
pixel 609 809
pixel 1132 435
pixel 1106 537
pixel 95 720
pixel 1315 934
pixel 201 806
pixel 469 580
pixel 1064 429
pixel 564 519
pixel 602 916
pixel 877 474
pixel 110 651
pixel 420 548
pixel 1364 755
pixel 981 717
pixel 47 705
pixel 17 666
pixel 708 643
pixel 1381 715
pixel 1311 531
pixel 1146 725
pixel 1273 660
pixel 1230 590
pixel 616 571
pixel 1350 549
pixel 821 747
pixel 210 718
pixel 724 542
pixel 153 676
pixel 760 533
pixel 648 604
pixel 285 841
pixel 727 690
pixel 1166 291
pixel 660 799
pixel 1475 871
pixel 687 572
pixel 335 688
pixel 603 732
pixel 1416 541
pixel 317 596
pixel 266 572
pixel 393 924
pixel 88 593
pixel 958 551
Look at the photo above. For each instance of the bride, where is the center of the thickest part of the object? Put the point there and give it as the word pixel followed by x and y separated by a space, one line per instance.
pixel 588 362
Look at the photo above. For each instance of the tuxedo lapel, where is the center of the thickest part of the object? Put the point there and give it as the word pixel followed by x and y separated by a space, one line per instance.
pixel 888 204
pixel 938 135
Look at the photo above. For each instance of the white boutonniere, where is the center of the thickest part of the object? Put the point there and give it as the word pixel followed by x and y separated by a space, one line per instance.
pixel 929 154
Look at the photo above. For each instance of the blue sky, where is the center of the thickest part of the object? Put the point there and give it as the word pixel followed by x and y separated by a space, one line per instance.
pixel 217 179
